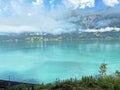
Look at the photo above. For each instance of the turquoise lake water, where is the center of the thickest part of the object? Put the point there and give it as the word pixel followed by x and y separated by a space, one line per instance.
pixel 44 62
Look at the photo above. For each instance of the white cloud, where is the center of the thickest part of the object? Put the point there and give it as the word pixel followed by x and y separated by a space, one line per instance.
pixel 52 3
pixel 34 19
pixel 102 29
pixel 29 14
pixel 38 7
pixel 19 7
pixel 38 2
pixel 42 23
pixel 111 3
pixel 79 3
pixel 13 28
pixel 16 7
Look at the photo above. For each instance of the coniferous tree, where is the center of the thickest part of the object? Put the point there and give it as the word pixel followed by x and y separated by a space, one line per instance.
pixel 103 69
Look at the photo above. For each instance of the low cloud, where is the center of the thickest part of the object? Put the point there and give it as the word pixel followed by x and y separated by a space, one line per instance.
pixel 106 29
pixel 111 3
pixel 16 29
pixel 79 3
pixel 33 18
pixel 42 23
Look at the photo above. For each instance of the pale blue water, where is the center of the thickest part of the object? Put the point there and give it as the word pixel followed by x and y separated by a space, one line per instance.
pixel 44 62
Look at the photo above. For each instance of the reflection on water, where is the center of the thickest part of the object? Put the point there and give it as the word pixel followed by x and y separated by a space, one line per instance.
pixel 46 61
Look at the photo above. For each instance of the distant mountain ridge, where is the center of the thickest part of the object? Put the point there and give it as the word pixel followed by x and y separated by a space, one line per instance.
pixel 75 35
pixel 95 19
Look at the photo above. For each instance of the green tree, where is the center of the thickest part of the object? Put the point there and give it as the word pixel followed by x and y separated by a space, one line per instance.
pixel 117 73
pixel 103 69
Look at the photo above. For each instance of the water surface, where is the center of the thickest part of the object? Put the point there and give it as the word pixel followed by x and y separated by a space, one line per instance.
pixel 46 61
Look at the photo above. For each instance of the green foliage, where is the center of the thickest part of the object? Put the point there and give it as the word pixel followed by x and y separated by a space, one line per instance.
pixel 88 81
pixel 103 69
pixel 117 73
pixel 42 87
pixel 106 83
pixel 117 86
pixel 18 87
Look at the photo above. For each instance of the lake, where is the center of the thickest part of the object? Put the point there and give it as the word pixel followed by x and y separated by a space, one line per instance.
pixel 46 61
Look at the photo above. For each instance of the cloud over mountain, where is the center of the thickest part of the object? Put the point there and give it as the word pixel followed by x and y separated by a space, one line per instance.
pixel 96 20
pixel 56 16
pixel 111 3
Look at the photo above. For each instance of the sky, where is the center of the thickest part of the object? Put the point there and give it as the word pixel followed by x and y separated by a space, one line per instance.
pixel 45 15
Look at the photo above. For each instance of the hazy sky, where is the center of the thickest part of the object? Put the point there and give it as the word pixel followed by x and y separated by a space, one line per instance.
pixel 44 15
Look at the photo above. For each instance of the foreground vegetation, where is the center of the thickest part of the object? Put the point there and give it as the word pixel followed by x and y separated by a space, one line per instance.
pixel 101 82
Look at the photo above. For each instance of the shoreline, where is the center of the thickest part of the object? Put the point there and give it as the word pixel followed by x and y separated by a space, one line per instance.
pixel 7 83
